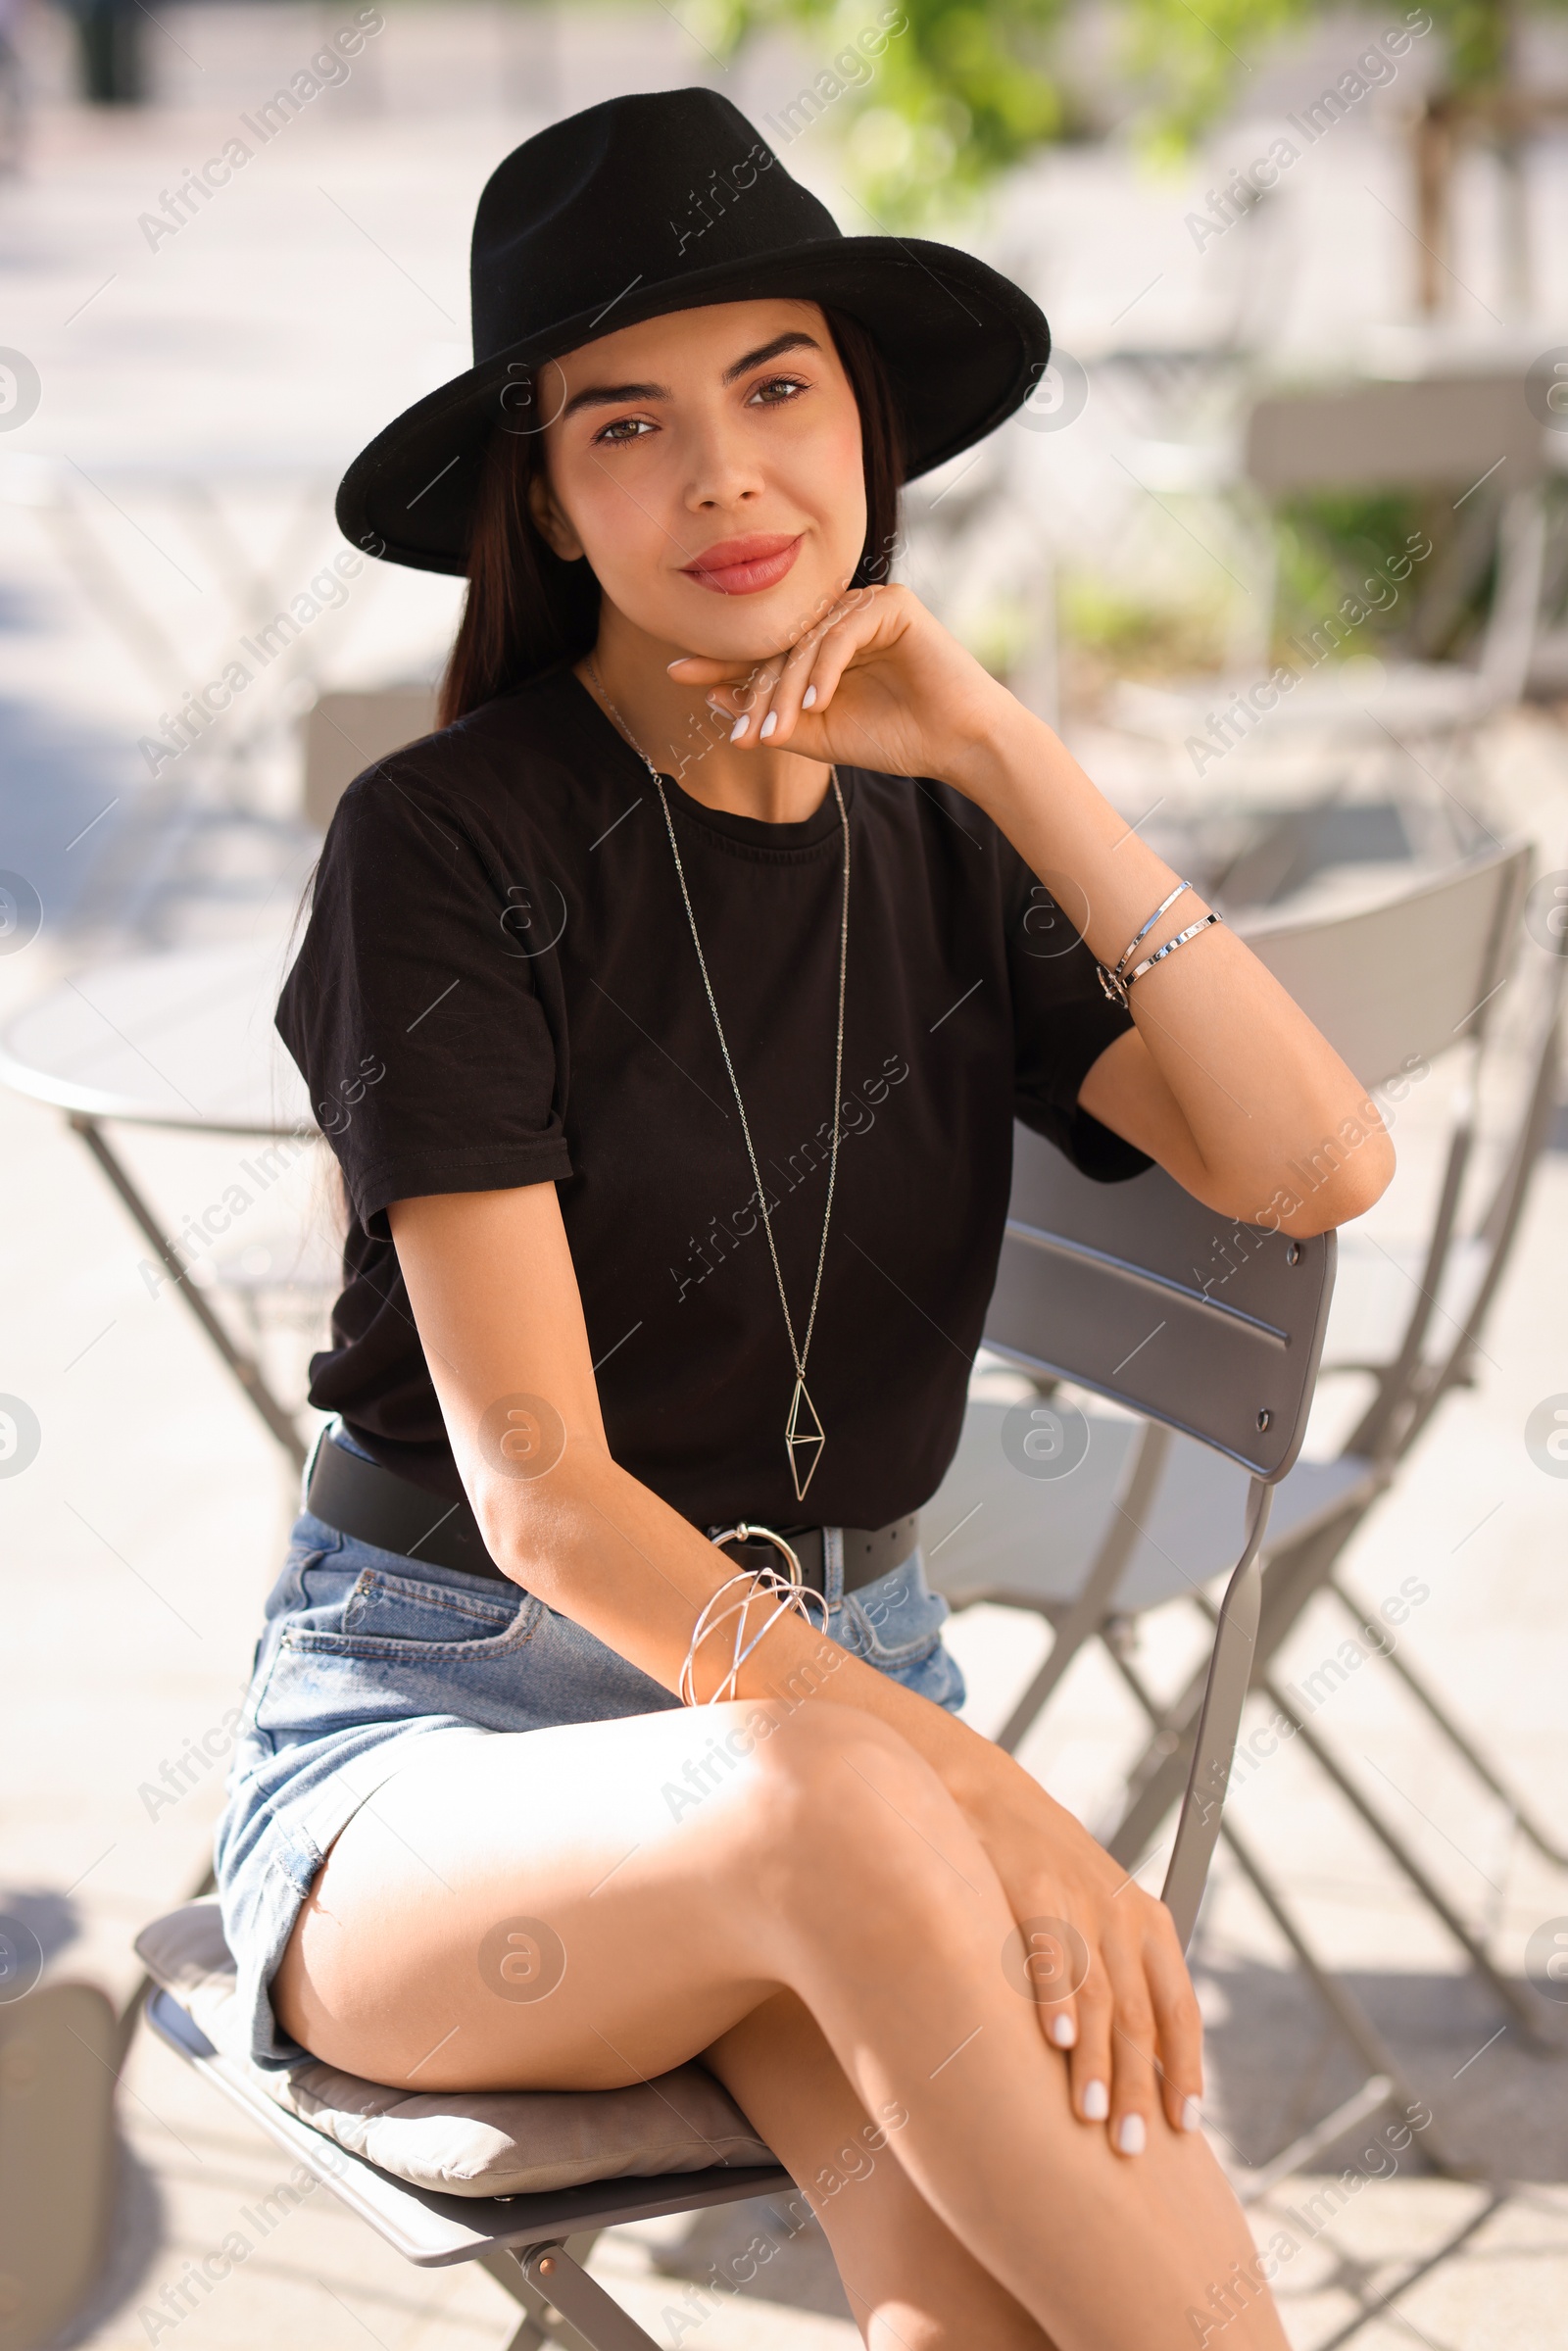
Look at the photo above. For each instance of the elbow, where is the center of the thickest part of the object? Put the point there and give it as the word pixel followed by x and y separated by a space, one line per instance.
pixel 1337 1187
pixel 537 1529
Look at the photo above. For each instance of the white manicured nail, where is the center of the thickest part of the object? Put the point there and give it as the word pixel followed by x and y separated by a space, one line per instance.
pixel 739 728
pixel 1129 2134
pixel 768 724
pixel 809 698
pixel 1192 2113
pixel 1063 2032
pixel 1097 2102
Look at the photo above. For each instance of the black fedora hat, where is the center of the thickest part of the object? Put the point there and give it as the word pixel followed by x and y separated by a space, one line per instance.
pixel 661 202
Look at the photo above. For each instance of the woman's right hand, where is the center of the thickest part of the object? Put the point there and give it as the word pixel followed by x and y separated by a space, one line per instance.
pixel 1099 1956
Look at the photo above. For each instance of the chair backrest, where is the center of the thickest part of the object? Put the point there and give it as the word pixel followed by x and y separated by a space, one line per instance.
pixel 1406 980
pixel 346 733
pixel 1439 430
pixel 1139 1291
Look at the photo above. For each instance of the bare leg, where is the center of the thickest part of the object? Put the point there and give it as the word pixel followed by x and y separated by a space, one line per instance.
pixel 830 1861
pixel 911 2286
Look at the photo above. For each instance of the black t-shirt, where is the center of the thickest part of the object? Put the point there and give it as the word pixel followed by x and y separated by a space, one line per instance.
pixel 498 987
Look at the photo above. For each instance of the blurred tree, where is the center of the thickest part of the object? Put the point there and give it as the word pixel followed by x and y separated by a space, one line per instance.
pixel 965 88
pixel 1190 65
pixel 945 95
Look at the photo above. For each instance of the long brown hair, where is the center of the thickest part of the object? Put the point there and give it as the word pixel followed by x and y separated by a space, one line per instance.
pixel 528 611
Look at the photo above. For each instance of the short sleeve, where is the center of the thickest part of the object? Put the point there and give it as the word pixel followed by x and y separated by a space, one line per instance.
pixel 412 1014
pixel 1062 1022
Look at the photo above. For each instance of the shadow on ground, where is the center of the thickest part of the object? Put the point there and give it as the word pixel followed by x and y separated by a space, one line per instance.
pixel 138 2234
pixel 1277 2066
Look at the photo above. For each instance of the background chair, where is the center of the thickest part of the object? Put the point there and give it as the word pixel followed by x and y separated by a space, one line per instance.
pixel 1149 1514
pixel 346 733
pixel 1471 438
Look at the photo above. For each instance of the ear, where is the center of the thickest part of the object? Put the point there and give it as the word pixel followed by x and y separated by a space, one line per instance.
pixel 550 522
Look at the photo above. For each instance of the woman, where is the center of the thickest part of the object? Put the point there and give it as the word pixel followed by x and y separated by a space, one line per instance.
pixel 715 818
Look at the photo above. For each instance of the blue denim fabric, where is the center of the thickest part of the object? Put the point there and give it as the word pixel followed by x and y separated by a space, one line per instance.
pixel 364 1653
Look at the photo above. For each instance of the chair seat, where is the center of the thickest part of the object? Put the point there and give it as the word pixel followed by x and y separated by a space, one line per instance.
pixel 995 1534
pixel 474 2144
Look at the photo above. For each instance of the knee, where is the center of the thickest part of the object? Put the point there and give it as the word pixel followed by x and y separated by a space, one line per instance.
pixel 832 1781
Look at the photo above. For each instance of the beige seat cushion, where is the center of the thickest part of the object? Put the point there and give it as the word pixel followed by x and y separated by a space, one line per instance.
pixel 483 2144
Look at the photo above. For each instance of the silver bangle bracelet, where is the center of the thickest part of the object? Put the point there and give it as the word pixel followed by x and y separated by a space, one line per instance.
pixel 1169 947
pixel 1115 981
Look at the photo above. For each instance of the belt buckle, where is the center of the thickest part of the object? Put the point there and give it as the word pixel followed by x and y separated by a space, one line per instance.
pixel 745 1532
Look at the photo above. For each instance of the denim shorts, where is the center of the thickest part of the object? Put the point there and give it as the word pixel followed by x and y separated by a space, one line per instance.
pixel 364 1656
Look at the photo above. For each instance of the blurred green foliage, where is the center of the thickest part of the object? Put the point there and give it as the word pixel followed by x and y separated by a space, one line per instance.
pixel 960 93
pixel 1109 632
pixel 1327 548
pixel 968 88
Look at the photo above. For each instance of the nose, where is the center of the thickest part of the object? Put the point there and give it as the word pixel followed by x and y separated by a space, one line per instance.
pixel 722 468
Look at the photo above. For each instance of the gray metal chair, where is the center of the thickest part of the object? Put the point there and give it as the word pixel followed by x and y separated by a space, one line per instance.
pixel 1150 1514
pixel 533 2245
pixel 345 733
pixel 1473 439
pixel 1262 1346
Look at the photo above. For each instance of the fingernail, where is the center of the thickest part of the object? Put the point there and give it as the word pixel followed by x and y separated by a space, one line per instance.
pixel 739 728
pixel 1192 2113
pixel 768 724
pixel 1063 2032
pixel 1097 2102
pixel 809 698
pixel 1129 2134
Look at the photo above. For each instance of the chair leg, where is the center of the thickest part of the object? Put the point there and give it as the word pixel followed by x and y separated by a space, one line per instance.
pixel 1352 2021
pixel 1427 1698
pixel 593 2320
pixel 545 2325
pixel 1088 1610
pixel 1509 1992
pixel 531 2335
pixel 1291 1576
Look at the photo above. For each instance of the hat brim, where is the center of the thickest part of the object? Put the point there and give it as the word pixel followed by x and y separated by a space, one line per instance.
pixel 962 344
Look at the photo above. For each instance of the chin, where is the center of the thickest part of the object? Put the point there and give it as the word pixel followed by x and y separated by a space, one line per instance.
pixel 751 628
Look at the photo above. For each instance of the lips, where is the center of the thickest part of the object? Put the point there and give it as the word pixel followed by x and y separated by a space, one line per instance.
pixel 742 567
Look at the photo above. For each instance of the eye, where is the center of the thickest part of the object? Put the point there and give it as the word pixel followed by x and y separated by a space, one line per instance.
pixel 776 390
pixel 624 428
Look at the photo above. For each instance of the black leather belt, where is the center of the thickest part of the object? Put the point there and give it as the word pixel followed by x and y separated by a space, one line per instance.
pixel 868 1552
pixel 376 1506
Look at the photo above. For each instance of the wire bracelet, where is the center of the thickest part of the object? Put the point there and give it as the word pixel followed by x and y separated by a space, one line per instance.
pixel 793 1598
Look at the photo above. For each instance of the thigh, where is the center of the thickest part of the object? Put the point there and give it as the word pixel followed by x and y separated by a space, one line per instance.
pixel 910 2280
pixel 570 1908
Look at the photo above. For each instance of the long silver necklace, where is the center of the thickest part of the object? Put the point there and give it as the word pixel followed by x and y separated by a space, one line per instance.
pixel 804 1435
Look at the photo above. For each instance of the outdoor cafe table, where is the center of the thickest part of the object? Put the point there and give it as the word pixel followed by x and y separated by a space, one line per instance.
pixel 180 1041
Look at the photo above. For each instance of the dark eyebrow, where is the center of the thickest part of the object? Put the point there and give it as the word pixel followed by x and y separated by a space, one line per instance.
pixel 612 395
pixel 796 340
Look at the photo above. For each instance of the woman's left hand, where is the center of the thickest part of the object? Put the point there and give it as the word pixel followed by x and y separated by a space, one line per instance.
pixel 877 683
pixel 1100 1957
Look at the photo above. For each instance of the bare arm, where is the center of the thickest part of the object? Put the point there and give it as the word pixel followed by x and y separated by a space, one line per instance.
pixel 1223 1080
pixel 1226 1082
pixel 495 1297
